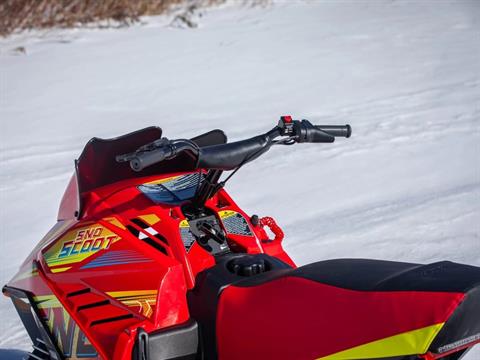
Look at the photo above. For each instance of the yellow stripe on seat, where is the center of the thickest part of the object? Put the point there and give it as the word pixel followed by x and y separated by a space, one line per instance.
pixel 407 343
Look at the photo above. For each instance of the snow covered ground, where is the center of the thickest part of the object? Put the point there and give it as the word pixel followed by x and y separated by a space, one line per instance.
pixel 405 75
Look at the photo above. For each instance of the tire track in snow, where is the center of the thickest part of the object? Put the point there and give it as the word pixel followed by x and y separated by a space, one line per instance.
pixel 357 219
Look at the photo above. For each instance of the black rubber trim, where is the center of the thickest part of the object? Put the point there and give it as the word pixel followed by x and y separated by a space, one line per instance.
pixel 463 324
pixel 177 342
pixel 140 349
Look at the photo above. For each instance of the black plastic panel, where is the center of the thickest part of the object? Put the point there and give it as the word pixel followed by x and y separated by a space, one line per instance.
pixel 174 343
pixel 463 326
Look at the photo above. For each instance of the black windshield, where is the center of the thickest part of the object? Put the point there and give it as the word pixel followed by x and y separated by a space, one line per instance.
pixel 97 167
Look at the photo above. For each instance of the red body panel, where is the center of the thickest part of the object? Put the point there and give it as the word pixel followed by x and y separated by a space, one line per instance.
pixel 351 317
pixel 112 285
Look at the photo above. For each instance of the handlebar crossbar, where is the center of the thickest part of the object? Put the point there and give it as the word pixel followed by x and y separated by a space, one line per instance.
pixel 232 155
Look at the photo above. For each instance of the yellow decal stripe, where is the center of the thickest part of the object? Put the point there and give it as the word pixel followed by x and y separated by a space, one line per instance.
pixel 407 343
pixel 117 294
pixel 150 219
pixel 60 269
pixel 143 299
pixel 115 222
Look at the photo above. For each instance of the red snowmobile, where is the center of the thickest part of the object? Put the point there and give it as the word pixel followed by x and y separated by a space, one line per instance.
pixel 152 259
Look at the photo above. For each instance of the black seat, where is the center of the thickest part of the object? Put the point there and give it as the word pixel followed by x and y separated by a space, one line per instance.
pixel 376 275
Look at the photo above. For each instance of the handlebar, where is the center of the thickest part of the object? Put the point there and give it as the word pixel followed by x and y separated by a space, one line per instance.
pixel 336 130
pixel 156 152
pixel 232 155
pixel 140 162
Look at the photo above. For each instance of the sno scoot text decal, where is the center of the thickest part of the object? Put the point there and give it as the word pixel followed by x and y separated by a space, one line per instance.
pixel 79 244
pixel 85 241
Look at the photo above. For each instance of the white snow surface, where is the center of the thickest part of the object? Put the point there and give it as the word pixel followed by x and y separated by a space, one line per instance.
pixel 405 75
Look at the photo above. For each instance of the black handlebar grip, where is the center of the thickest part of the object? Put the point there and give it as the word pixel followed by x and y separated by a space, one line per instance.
pixel 148 158
pixel 336 130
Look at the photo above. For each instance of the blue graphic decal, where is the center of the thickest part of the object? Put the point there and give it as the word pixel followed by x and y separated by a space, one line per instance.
pixel 117 257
